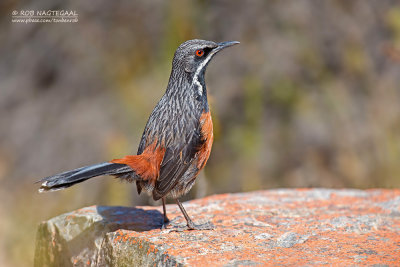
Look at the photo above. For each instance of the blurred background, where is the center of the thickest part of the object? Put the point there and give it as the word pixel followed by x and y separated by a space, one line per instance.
pixel 310 98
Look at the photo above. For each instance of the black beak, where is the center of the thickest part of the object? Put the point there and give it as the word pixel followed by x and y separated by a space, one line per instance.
pixel 225 45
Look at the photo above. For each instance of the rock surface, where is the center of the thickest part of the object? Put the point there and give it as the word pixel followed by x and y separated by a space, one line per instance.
pixel 276 227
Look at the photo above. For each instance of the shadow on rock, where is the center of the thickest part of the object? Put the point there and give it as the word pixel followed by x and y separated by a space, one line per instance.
pixel 132 218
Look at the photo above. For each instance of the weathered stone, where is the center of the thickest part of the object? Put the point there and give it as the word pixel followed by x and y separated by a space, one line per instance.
pixel 285 226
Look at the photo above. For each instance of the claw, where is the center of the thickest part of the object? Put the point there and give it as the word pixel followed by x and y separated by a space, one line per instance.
pixel 169 222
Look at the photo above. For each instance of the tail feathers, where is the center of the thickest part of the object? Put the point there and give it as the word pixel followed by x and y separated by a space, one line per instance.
pixel 69 178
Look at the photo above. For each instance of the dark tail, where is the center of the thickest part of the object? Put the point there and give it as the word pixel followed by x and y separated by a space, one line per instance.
pixel 69 178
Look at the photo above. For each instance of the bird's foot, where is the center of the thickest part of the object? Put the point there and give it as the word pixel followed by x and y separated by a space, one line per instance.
pixel 167 222
pixel 191 226
pixel 201 226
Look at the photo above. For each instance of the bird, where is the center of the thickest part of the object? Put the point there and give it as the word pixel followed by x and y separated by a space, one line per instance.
pixel 177 139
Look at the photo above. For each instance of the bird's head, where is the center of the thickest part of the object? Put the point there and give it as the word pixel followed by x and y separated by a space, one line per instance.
pixel 193 56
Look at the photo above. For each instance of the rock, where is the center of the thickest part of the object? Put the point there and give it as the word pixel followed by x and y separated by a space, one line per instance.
pixel 275 227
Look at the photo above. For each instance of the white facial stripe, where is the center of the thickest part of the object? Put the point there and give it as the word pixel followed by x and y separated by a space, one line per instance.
pixel 196 74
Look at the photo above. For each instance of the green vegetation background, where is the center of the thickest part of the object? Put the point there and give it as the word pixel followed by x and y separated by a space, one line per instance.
pixel 310 98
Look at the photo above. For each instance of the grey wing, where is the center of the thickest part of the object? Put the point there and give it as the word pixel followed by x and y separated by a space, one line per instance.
pixel 177 160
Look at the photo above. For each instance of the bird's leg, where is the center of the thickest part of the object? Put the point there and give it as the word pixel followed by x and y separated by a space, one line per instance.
pixel 166 220
pixel 190 224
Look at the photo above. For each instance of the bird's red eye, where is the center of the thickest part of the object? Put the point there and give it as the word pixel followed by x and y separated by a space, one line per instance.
pixel 199 53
